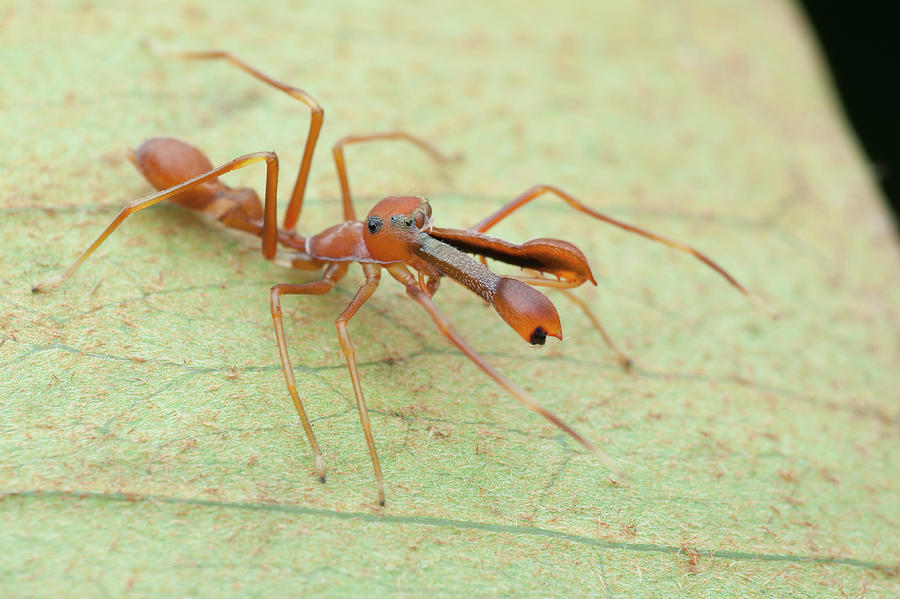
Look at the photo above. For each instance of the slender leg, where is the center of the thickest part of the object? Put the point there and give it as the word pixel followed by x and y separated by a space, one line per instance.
pixel 429 285
pixel 317 116
pixel 538 190
pixel 403 275
pixel 624 361
pixel 373 275
pixel 333 273
pixel 338 151
pixel 315 124
pixel 270 225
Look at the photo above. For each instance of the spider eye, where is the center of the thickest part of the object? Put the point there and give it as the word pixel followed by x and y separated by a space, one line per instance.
pixel 419 218
pixel 374 223
pixel 401 220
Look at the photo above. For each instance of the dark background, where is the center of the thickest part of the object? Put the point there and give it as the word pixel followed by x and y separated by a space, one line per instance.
pixel 860 42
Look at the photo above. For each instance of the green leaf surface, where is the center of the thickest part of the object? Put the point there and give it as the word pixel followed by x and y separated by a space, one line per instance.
pixel 149 445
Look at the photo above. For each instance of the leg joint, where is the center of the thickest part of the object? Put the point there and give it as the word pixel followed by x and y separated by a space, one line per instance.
pixel 275 300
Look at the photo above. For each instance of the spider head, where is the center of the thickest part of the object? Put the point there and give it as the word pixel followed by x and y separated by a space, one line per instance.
pixel 391 228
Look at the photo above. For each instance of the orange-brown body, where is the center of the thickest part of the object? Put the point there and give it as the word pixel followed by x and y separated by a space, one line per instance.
pixel 398 230
pixel 398 235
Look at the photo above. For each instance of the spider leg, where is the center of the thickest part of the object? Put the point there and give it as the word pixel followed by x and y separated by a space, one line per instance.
pixel 539 190
pixel 373 276
pixel 333 273
pixel 317 115
pixel 565 287
pixel 269 229
pixel 341 166
pixel 443 324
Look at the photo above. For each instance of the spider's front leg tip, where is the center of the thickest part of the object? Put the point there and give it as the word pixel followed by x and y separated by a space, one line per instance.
pixel 618 477
pixel 770 312
pixel 765 307
pixel 46 284
pixel 320 468
pixel 618 472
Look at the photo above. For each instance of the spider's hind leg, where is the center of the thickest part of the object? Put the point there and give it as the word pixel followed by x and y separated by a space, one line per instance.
pixel 268 229
pixel 166 162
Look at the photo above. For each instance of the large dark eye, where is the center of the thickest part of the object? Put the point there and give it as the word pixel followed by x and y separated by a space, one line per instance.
pixel 374 223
